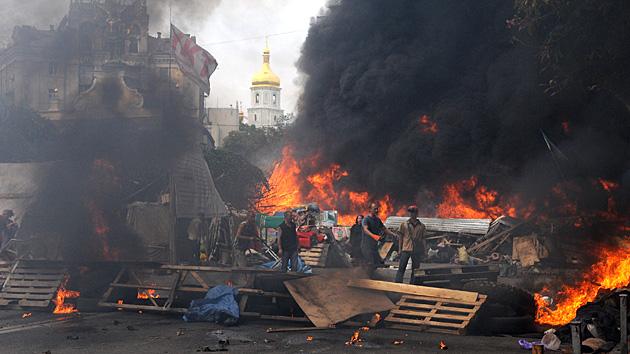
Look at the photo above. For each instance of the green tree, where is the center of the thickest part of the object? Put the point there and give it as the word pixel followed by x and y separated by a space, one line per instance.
pixel 256 145
pixel 238 181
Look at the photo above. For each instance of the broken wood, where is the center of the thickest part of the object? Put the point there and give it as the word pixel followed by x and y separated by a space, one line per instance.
pixel 413 289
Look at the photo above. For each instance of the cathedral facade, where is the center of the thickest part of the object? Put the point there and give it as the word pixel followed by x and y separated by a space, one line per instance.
pixel 265 109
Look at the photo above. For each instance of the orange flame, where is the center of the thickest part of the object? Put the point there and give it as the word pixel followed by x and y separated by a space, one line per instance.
pixel 355 339
pixel 443 345
pixel 149 293
pixel 288 189
pixel 428 126
pixel 487 202
pixel 61 307
pixel 611 272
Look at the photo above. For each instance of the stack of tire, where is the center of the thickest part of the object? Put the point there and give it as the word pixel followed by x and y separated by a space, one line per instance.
pixel 507 310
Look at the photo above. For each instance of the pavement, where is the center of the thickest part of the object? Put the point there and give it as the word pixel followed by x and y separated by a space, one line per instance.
pixel 132 332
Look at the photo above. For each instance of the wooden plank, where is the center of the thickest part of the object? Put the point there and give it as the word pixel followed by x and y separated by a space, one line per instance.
pixel 430 315
pixel 431 306
pixel 479 301
pixel 413 289
pixel 455 276
pixel 31 303
pixel 143 307
pixel 424 322
pixel 419 328
pixel 32 283
pixel 23 290
pixel 26 296
pixel 39 271
pixel 38 276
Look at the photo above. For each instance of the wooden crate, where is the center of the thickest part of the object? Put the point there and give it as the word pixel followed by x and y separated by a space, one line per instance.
pixel 431 314
pixel 455 274
pixel 315 256
pixel 32 284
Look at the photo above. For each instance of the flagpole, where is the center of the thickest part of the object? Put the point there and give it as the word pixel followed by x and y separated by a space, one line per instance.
pixel 170 52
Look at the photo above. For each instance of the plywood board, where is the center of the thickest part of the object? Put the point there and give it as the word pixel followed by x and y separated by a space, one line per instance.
pixel 327 299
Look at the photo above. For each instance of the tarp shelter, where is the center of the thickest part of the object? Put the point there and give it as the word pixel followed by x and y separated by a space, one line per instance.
pixel 153 224
pixel 193 190
pixel 268 221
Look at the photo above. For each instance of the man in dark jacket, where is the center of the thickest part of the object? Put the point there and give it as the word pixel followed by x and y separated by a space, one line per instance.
pixel 373 231
pixel 288 242
pixel 356 234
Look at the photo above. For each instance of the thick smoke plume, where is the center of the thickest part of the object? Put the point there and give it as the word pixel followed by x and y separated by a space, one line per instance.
pixel 188 15
pixel 410 95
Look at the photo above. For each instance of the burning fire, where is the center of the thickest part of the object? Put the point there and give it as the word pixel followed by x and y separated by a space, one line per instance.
pixel 149 293
pixel 428 126
pixel 355 339
pixel 289 189
pixel 487 202
pixel 443 345
pixel 61 307
pixel 611 272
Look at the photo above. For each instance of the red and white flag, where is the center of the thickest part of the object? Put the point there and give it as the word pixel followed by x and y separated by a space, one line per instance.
pixel 193 60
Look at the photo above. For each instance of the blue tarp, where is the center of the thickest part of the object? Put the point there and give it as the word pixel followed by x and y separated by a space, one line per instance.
pixel 301 266
pixel 218 306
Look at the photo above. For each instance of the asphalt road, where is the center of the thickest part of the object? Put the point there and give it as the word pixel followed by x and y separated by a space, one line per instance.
pixel 130 332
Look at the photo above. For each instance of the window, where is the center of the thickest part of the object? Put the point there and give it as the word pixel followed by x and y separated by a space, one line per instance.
pixel 133 46
pixel 257 98
pixel 274 117
pixel 52 93
pixel 255 118
pixel 274 98
pixel 52 69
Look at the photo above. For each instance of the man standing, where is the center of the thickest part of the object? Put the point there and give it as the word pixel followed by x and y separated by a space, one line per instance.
pixel 247 232
pixel 356 234
pixel 288 242
pixel 195 231
pixel 373 231
pixel 411 244
pixel 8 227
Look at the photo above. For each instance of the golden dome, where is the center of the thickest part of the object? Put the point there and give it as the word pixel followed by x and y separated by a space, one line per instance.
pixel 265 77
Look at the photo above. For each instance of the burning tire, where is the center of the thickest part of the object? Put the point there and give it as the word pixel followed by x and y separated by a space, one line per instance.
pixel 518 300
pixel 507 310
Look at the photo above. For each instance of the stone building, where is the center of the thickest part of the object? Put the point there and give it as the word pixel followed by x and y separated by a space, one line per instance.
pixel 221 121
pixel 100 54
pixel 265 110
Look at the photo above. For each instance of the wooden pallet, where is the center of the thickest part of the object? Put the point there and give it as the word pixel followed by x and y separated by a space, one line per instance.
pixel 315 256
pixel 455 274
pixel 32 284
pixel 431 314
pixel 5 269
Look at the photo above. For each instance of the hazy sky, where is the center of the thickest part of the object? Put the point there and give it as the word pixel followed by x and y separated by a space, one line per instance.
pixel 221 31
pixel 239 60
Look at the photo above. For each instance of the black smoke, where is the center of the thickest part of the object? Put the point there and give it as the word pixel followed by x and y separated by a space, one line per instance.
pixel 375 67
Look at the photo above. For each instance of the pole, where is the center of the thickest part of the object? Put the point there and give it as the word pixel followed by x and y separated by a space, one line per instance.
pixel 623 319
pixel 170 52
pixel 576 337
